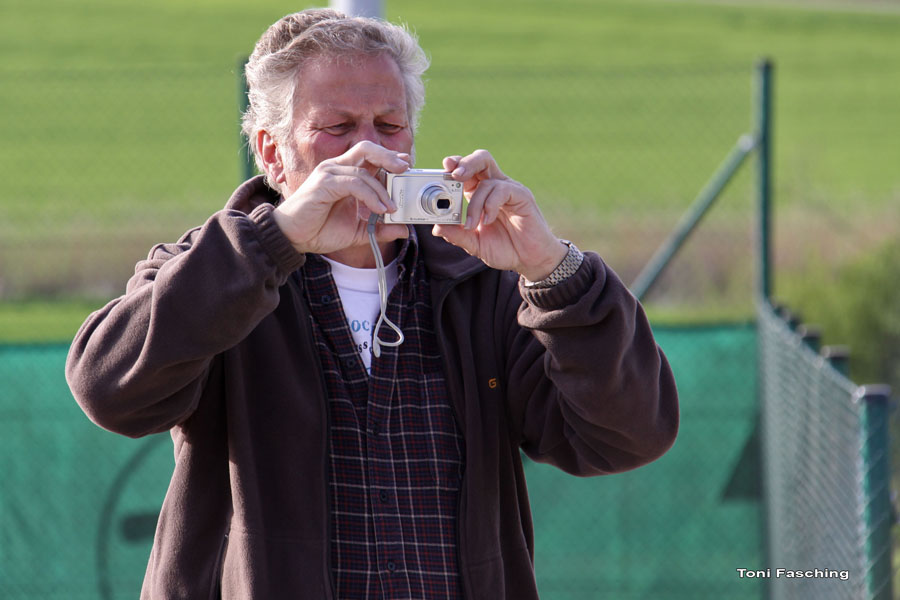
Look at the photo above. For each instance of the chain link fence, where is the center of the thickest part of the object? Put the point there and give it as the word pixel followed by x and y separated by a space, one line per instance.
pixel 827 474
pixel 107 162
pixel 583 141
pixel 136 155
pixel 614 158
pixel 140 156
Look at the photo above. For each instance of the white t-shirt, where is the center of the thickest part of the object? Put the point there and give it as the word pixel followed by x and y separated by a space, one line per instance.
pixel 358 289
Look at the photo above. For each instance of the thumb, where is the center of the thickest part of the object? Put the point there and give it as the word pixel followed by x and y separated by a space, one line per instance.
pixel 458 236
pixel 390 232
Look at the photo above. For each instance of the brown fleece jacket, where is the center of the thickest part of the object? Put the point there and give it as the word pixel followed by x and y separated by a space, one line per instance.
pixel 212 341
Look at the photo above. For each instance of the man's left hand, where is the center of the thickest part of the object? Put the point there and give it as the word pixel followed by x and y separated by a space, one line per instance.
pixel 504 226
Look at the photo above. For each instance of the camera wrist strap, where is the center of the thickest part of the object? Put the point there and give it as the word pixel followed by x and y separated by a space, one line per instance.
pixel 382 293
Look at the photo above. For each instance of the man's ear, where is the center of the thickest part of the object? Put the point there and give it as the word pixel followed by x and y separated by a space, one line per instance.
pixel 273 162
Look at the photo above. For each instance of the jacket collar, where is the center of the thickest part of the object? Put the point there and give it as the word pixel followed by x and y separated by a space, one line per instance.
pixel 251 194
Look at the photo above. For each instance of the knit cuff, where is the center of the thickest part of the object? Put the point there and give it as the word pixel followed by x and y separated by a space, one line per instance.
pixel 274 242
pixel 569 290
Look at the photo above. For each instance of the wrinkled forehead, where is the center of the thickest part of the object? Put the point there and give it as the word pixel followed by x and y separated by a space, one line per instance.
pixel 360 81
pixel 326 72
pixel 349 60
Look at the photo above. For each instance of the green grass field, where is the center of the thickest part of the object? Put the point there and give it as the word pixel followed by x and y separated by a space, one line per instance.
pixel 120 127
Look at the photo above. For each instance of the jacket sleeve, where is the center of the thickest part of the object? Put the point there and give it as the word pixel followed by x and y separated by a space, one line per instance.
pixel 590 390
pixel 138 365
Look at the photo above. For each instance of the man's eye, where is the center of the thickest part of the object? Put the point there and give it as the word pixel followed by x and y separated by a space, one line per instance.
pixel 390 127
pixel 339 129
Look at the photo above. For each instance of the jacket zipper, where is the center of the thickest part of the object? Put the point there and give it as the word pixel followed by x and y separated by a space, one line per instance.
pixel 455 393
pixel 220 570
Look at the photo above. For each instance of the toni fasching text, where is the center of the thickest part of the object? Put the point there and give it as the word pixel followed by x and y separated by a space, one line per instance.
pixel 843 575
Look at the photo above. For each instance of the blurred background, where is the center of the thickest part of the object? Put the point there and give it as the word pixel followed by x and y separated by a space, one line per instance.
pixel 120 129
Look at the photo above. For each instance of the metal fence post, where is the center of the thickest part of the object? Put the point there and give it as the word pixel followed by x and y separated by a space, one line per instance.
pixel 875 401
pixel 359 8
pixel 838 357
pixel 691 219
pixel 764 177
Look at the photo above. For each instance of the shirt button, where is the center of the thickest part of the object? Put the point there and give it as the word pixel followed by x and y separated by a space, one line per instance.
pixel 391 566
pixel 326 299
pixel 383 495
pixel 375 429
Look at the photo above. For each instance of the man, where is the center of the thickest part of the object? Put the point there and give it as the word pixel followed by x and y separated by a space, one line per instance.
pixel 305 466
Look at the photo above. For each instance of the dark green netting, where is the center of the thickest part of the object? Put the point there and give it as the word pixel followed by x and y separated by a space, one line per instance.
pixel 678 528
pixel 78 504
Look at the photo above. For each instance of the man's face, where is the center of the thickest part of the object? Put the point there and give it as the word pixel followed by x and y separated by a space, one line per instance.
pixel 341 103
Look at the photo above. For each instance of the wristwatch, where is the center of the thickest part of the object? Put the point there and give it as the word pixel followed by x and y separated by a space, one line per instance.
pixel 563 271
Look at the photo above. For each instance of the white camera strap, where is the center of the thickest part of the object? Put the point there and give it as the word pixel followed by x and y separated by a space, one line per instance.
pixel 382 293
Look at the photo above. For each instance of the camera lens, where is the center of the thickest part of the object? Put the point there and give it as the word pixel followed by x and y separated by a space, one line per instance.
pixel 436 200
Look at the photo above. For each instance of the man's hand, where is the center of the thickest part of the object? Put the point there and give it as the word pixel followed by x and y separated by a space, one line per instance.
pixel 504 226
pixel 328 212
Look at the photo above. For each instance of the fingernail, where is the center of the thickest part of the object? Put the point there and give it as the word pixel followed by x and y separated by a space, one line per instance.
pixel 469 222
pixel 459 172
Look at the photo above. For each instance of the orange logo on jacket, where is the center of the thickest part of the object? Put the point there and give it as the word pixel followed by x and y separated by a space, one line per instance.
pixel 493 383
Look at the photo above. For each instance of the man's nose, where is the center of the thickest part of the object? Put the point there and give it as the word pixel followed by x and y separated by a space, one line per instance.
pixel 367 132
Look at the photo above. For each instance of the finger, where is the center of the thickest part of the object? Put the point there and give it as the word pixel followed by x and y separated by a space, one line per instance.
pixel 343 175
pixel 467 240
pixel 475 209
pixel 374 197
pixel 388 232
pixel 377 183
pixel 372 157
pixel 496 198
pixel 479 164
pixel 450 163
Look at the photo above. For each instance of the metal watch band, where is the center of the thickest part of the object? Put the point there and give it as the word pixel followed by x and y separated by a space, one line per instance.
pixel 563 271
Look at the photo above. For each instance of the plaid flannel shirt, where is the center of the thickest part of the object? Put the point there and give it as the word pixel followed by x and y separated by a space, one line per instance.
pixel 396 454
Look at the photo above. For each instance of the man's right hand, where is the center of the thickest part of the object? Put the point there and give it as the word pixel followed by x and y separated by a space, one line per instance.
pixel 329 210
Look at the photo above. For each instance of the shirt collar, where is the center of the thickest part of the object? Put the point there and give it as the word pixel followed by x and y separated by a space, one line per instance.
pixel 407 256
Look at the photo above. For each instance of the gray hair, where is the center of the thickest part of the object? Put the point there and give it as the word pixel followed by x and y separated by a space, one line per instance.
pixel 294 40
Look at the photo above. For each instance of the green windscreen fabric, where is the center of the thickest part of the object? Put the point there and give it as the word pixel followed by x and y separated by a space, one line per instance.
pixel 78 505
pixel 681 526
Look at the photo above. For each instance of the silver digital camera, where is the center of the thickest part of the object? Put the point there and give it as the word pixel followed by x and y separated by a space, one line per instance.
pixel 425 196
